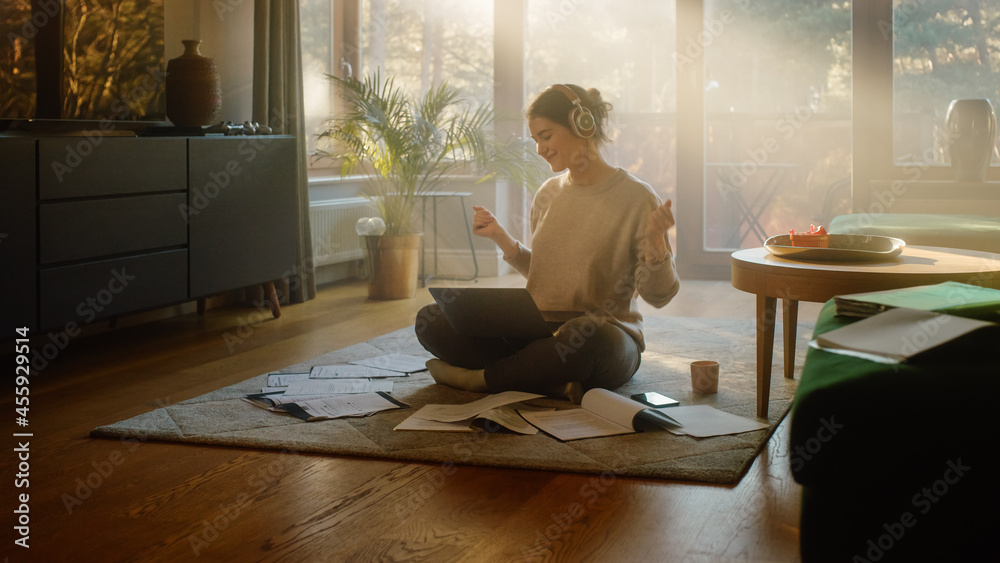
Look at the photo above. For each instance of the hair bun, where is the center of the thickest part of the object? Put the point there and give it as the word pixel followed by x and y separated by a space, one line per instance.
pixel 595 94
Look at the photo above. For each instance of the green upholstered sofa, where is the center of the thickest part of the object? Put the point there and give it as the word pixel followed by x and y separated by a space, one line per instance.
pixel 971 232
pixel 898 462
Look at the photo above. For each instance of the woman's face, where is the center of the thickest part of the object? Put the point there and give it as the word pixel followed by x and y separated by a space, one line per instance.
pixel 557 144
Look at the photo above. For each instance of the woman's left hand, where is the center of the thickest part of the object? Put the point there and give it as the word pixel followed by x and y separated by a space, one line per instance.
pixel 660 221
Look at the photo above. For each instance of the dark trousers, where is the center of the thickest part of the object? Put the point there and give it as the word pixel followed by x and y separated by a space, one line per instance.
pixel 592 351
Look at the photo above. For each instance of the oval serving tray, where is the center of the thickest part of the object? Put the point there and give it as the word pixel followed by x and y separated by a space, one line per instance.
pixel 843 248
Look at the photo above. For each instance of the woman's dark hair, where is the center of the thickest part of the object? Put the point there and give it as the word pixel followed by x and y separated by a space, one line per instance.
pixel 555 105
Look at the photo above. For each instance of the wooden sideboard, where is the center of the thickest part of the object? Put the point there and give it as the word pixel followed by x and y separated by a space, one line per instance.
pixel 94 227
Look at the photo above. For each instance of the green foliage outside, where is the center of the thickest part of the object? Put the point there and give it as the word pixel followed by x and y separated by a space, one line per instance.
pixel 112 59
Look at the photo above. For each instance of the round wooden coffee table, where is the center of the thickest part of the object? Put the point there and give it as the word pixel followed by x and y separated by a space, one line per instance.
pixel 757 271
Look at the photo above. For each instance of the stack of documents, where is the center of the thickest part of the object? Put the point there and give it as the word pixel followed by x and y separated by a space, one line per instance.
pixel 949 297
pixel 899 334
pixel 601 413
pixel 358 388
pixel 499 409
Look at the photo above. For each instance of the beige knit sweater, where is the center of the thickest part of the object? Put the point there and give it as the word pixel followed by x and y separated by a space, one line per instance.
pixel 587 251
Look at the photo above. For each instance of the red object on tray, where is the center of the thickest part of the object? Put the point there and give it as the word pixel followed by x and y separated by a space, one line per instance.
pixel 815 237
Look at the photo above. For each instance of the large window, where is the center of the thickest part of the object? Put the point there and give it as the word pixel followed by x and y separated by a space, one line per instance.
pixel 777 117
pixel 320 49
pixel 942 50
pixel 626 51
pixel 770 89
pixel 419 43
pixel 422 43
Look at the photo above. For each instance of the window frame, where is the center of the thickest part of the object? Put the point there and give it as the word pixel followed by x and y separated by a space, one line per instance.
pixel 873 117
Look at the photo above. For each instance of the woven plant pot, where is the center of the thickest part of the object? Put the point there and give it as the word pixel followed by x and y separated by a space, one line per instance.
pixel 393 263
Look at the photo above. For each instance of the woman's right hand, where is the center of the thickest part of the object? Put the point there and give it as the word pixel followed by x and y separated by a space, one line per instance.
pixel 485 224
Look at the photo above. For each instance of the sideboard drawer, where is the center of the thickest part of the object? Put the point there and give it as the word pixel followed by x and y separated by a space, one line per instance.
pixel 94 166
pixel 112 226
pixel 86 292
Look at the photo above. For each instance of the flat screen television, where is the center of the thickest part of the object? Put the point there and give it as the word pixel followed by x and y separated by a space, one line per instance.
pixel 82 60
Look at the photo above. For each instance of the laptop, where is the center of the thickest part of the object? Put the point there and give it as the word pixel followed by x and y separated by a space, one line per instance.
pixel 504 312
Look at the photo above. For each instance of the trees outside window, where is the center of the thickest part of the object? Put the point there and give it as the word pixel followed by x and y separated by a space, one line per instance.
pixel 942 50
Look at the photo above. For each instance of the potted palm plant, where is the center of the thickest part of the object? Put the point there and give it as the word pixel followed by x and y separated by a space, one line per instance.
pixel 409 146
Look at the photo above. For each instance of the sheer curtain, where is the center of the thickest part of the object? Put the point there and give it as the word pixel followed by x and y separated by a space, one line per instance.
pixel 277 102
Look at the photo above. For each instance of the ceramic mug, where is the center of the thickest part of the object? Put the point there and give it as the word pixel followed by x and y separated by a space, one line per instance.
pixel 705 376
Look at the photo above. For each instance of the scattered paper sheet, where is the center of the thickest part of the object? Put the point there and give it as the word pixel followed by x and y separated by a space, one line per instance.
pixel 506 416
pixel 510 418
pixel 601 413
pixel 574 424
pixel 702 421
pixel 855 354
pixel 403 363
pixel 350 371
pixel 345 406
pixel 900 333
pixel 283 379
pixel 337 386
pixel 414 423
pixel 273 401
pixel 455 413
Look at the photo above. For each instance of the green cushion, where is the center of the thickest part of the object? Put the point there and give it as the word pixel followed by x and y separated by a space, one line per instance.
pixel 857 421
pixel 971 232
pixel 897 462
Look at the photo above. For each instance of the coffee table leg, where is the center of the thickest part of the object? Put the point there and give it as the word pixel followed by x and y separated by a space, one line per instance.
pixel 790 320
pixel 766 309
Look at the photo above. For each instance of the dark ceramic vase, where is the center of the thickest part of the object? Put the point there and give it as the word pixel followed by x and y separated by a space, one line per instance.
pixel 972 132
pixel 194 93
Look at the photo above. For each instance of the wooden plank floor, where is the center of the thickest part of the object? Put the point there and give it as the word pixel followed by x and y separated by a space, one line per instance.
pixel 136 501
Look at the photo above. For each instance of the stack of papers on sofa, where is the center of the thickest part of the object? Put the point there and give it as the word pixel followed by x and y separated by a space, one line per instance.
pixel 960 299
pixel 901 334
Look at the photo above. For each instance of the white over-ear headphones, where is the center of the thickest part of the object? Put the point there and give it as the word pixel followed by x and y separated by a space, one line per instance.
pixel 581 121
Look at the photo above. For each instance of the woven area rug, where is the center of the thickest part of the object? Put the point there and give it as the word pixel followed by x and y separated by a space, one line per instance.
pixel 221 418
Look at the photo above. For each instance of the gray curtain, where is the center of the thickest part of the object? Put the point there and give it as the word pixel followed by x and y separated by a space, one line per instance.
pixel 277 102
